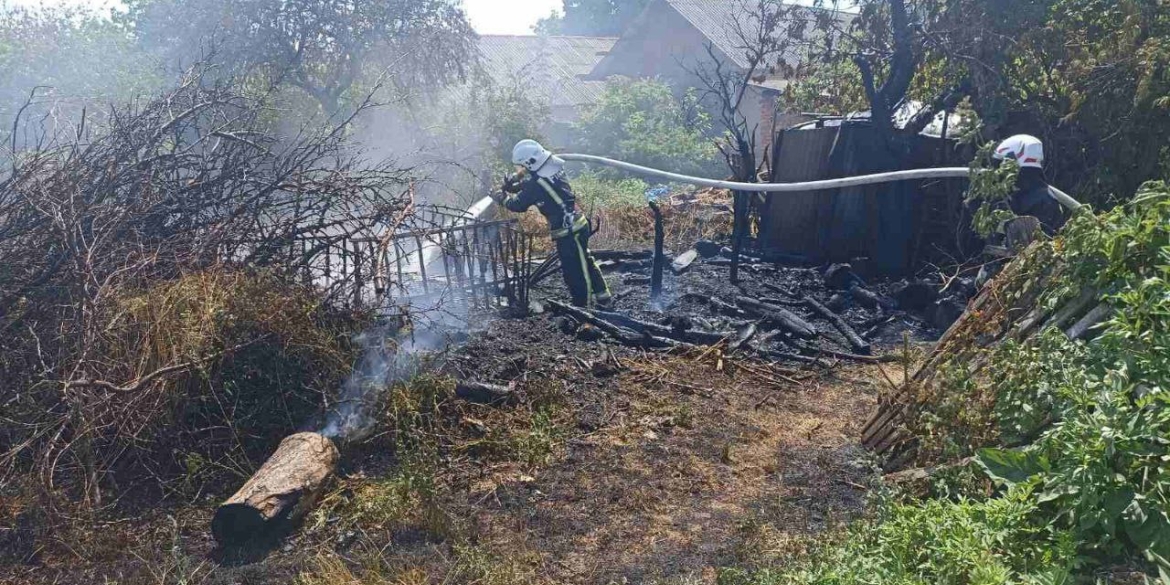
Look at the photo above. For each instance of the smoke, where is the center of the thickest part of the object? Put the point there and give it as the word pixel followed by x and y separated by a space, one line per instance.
pixel 386 360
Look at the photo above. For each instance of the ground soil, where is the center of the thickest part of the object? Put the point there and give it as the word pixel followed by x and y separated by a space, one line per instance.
pixel 661 467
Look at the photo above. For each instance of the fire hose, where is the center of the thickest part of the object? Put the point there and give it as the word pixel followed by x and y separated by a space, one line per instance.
pixel 911 175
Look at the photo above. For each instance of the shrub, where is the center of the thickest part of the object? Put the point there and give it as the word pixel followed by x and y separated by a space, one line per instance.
pixel 253 352
pixel 935 543
pixel 643 122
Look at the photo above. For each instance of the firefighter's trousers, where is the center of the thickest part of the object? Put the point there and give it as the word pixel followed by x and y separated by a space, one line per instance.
pixel 586 284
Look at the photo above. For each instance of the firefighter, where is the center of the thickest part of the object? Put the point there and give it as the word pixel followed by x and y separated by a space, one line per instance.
pixel 1031 195
pixel 540 181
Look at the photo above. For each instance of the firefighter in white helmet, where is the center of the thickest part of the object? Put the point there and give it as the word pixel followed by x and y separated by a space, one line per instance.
pixel 540 181
pixel 1031 196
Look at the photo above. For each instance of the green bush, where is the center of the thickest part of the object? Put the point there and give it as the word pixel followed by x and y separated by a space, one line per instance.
pixel 935 543
pixel 644 123
pixel 594 191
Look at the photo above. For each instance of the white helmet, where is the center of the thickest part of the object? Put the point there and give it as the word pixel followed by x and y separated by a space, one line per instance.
pixel 1026 150
pixel 534 157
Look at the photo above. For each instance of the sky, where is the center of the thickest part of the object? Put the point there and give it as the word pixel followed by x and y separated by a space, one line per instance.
pixel 508 17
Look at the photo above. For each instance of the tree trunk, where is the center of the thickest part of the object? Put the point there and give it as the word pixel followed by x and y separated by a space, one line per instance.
pixel 284 489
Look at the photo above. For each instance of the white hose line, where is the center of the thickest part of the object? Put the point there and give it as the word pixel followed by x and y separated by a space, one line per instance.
pixel 911 175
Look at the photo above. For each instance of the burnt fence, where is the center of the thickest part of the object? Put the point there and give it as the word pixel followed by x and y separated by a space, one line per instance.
pixel 437 256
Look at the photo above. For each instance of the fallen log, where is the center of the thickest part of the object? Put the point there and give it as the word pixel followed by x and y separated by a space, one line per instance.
pixel 726 308
pixel 778 316
pixel 870 299
pixel 867 359
pixel 646 328
pixel 624 336
pixel 546 269
pixel 284 489
pixel 482 393
pixel 622 254
pixel 858 344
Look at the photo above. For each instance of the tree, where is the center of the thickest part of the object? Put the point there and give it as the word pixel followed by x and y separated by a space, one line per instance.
pixel 603 18
pixel 644 123
pixel 1089 77
pixel 765 33
pixel 326 48
pixel 71 57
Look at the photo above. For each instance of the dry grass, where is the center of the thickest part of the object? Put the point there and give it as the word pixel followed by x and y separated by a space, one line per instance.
pixel 262 357
pixel 627 226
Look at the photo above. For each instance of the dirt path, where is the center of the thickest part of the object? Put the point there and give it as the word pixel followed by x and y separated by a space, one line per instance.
pixel 684 479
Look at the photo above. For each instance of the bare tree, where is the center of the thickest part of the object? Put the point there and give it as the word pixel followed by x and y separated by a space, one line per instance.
pixel 766 33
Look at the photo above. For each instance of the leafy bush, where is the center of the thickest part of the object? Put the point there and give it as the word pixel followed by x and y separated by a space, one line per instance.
pixel 1093 417
pixel 936 543
pixel 644 123
pixel 594 190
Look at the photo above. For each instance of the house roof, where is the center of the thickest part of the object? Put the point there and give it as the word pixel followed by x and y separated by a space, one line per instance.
pixel 553 67
pixel 719 21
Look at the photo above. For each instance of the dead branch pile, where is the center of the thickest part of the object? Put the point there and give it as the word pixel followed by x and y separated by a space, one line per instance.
pixel 92 357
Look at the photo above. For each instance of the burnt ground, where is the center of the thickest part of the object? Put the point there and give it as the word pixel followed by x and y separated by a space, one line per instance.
pixel 616 464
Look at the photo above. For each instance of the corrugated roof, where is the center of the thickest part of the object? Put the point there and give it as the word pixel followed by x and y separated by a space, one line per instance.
pixel 553 67
pixel 719 21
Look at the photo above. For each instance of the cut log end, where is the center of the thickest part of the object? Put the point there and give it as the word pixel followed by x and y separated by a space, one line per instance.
pixel 284 489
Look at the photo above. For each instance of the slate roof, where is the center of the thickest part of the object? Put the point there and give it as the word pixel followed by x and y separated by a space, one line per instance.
pixel 718 21
pixel 553 67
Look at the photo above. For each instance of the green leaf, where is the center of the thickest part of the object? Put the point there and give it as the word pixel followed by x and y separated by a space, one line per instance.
pixel 1012 466
pixel 1149 529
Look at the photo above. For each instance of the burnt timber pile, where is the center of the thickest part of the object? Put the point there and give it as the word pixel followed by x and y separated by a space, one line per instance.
pixel 776 312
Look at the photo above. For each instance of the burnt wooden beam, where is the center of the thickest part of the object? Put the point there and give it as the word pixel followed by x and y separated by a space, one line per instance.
pixel 779 316
pixel 858 344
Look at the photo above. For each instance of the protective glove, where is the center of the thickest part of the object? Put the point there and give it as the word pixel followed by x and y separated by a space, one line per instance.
pixel 513 184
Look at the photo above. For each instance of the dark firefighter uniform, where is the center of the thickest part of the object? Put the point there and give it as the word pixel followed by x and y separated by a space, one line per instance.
pixel 1032 197
pixel 568 229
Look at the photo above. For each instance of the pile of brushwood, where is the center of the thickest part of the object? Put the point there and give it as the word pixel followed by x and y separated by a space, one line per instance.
pixel 1037 436
pixel 154 298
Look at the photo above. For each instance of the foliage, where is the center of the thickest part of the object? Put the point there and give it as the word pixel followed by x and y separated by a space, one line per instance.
pixel 643 122
pixel 990 188
pixel 832 86
pixel 595 18
pixel 325 49
pixel 1093 418
pixel 1089 77
pixel 936 543
pixel 594 191
pixel 76 58
pixel 507 115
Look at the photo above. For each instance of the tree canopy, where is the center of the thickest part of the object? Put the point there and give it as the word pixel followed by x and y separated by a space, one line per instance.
pixel 1089 77
pixel 323 48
